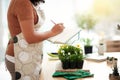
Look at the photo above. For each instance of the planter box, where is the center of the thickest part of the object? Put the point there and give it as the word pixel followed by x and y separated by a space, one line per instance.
pixel 72 65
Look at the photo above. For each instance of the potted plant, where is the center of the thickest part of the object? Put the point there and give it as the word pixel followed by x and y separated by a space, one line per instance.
pixel 70 56
pixel 80 61
pixel 87 23
pixel 87 45
pixel 73 61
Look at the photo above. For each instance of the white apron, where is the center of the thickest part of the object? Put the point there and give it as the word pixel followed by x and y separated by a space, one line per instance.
pixel 28 57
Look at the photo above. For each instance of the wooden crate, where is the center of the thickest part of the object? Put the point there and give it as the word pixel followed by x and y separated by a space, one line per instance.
pixel 113 46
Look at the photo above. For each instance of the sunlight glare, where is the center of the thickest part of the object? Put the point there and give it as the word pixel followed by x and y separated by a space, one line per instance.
pixel 83 5
pixel 102 7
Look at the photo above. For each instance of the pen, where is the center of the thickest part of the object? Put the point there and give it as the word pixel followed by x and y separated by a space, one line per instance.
pixel 53 21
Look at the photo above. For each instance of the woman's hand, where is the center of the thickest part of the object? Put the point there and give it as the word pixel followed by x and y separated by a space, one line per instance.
pixel 57 28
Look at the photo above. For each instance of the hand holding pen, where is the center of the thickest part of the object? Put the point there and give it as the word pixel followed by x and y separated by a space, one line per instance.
pixel 58 27
pixel 61 24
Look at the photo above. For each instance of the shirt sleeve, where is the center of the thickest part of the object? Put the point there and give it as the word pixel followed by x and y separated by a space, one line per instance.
pixel 24 10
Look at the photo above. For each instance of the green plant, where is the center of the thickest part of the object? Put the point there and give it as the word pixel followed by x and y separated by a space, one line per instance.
pixel 67 50
pixel 87 41
pixel 86 21
pixel 70 55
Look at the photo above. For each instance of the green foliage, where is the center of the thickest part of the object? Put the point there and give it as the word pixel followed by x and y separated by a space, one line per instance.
pixel 86 21
pixel 70 52
pixel 86 41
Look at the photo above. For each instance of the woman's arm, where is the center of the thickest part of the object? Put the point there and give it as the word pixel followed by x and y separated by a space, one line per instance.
pixel 25 14
pixel 33 36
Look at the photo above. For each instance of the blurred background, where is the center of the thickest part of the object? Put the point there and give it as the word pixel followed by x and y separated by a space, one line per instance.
pixel 98 20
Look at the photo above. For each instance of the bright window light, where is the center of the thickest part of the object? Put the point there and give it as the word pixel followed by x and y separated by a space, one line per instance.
pixel 82 6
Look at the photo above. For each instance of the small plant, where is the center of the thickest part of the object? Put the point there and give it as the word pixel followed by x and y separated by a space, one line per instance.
pixel 87 41
pixel 70 56
pixel 88 47
pixel 115 71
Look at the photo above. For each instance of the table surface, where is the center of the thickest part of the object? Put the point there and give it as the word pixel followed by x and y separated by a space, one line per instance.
pixel 101 70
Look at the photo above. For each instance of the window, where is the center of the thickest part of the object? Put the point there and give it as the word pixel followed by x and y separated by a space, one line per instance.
pixel 3 27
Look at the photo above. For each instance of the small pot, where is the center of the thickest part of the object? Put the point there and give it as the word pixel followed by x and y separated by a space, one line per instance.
pixel 80 64
pixel 73 64
pixel 112 77
pixel 88 49
pixel 65 64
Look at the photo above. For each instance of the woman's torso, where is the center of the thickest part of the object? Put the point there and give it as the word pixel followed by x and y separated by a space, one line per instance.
pixel 14 25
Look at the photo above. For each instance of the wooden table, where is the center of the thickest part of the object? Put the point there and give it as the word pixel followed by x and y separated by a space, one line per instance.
pixel 101 70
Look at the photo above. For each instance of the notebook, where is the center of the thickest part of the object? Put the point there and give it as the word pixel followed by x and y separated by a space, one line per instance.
pixel 65 36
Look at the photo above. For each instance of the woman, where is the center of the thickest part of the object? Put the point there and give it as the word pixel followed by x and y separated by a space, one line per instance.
pixel 24 51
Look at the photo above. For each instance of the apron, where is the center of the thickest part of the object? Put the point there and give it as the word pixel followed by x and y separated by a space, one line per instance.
pixel 28 57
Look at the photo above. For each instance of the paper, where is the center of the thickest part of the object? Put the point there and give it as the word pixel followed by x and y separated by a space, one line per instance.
pixel 96 58
pixel 65 36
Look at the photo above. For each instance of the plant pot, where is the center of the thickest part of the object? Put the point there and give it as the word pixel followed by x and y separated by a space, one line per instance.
pixel 73 64
pixel 65 64
pixel 113 77
pixel 88 49
pixel 80 64
pixel 69 55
